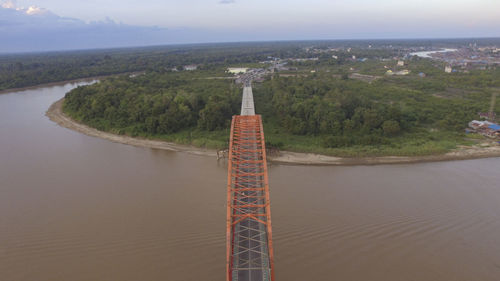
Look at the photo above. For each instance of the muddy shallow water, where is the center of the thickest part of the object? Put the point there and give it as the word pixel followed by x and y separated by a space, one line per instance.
pixel 74 207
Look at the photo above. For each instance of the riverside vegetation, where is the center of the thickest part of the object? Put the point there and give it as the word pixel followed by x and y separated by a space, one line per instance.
pixel 322 112
pixel 24 70
pixel 30 69
pixel 317 106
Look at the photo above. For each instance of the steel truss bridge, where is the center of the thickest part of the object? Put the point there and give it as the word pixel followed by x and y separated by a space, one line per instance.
pixel 249 234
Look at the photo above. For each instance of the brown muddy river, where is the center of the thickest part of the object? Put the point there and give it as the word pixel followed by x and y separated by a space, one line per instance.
pixel 78 208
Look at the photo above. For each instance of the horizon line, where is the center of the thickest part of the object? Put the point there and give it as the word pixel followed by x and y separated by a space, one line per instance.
pixel 248 41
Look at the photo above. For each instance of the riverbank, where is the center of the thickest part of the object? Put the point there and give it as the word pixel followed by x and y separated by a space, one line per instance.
pixel 483 150
pixel 60 83
pixel 56 114
pixel 51 84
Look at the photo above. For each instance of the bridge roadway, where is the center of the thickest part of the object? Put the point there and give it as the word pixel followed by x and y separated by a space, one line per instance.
pixel 247 105
pixel 249 234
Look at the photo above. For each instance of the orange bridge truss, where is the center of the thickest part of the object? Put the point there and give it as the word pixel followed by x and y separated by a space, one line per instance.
pixel 249 234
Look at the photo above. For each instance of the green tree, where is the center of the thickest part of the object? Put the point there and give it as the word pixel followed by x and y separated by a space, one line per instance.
pixel 391 127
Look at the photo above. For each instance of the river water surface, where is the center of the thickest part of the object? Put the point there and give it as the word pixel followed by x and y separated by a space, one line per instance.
pixel 427 54
pixel 74 207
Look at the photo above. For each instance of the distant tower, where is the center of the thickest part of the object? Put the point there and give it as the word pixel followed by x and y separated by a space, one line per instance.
pixel 491 113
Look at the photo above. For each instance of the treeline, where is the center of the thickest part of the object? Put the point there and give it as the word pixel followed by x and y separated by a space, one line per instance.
pixel 322 109
pixel 155 104
pixel 22 70
pixel 350 112
pixel 317 107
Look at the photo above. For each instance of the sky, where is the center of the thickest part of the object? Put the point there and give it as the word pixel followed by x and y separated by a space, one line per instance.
pixel 147 22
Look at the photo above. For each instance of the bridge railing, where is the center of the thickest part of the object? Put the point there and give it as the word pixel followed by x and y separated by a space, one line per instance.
pixel 250 253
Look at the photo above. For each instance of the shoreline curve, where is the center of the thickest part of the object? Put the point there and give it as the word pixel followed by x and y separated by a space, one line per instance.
pixel 56 114
pixel 63 82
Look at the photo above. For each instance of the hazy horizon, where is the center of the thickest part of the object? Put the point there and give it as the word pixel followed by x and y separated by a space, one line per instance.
pixel 34 25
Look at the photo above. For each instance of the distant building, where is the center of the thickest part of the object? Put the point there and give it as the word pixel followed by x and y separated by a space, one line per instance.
pixel 488 115
pixel 484 114
pixel 400 73
pixel 304 59
pixel 421 74
pixel 401 63
pixel 448 69
pixel 190 67
pixel 475 124
pixel 237 70
pixel 485 128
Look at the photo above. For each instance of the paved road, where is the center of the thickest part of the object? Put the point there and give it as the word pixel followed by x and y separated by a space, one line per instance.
pixel 247 105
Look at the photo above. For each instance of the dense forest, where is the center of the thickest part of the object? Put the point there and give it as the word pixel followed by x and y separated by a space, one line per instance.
pixel 333 97
pixel 155 103
pixel 320 111
pixel 379 116
pixel 22 70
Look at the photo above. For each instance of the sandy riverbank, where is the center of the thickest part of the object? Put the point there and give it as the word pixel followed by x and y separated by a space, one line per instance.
pixel 480 151
pixel 56 114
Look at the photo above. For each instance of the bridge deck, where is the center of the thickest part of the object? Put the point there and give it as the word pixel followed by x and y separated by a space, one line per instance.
pixel 249 236
pixel 247 105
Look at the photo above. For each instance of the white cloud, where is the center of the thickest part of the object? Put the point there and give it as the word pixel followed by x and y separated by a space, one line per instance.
pixel 9 4
pixel 38 29
pixel 33 10
pixel 227 1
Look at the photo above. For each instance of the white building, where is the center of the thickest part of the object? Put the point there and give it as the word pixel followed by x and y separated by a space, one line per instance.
pixel 237 70
pixel 448 69
pixel 190 67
